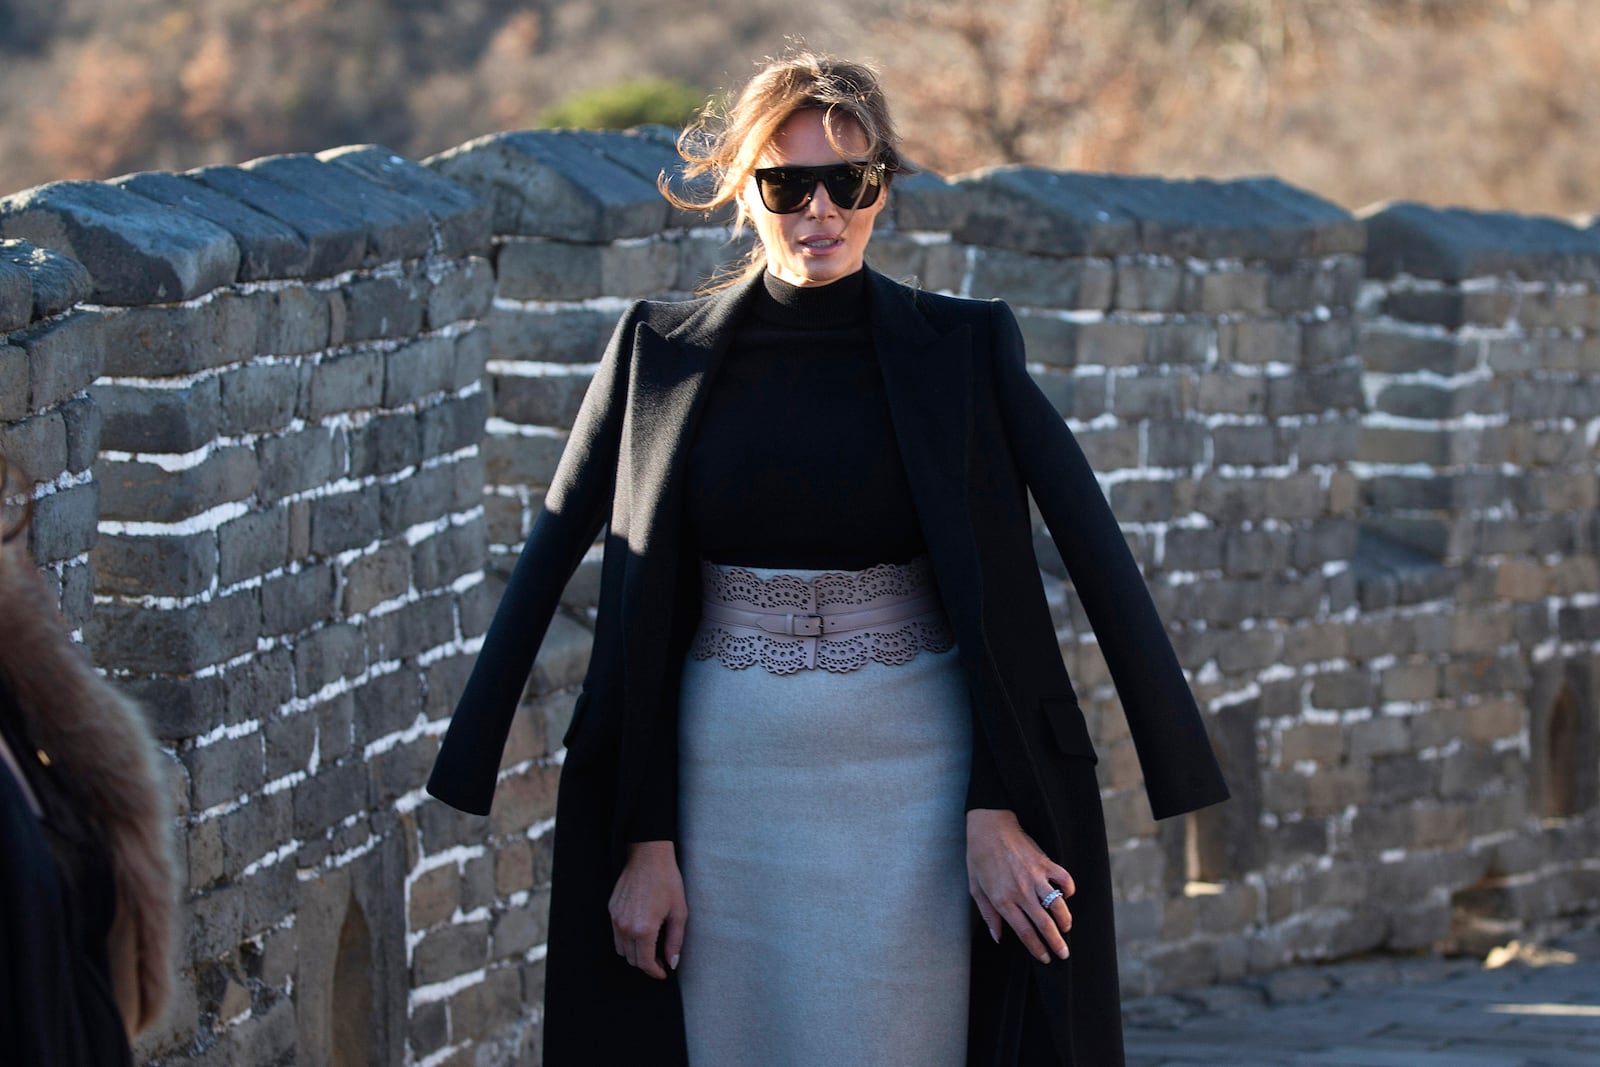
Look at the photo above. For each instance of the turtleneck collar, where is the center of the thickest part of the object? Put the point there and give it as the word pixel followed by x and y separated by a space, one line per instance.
pixel 813 306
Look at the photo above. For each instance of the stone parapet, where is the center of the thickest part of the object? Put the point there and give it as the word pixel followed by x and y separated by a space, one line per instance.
pixel 288 423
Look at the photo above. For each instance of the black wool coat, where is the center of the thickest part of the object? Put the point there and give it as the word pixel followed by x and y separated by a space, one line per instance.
pixel 976 436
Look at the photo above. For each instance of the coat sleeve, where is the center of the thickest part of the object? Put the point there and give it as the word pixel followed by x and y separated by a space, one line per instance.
pixel 575 508
pixel 1180 768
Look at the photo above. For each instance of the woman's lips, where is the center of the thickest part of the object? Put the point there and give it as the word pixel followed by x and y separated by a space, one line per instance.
pixel 821 242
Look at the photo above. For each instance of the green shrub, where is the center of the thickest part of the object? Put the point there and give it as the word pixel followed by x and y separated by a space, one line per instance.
pixel 641 102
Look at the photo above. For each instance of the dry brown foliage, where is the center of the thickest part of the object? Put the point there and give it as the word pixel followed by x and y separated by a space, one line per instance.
pixel 1488 103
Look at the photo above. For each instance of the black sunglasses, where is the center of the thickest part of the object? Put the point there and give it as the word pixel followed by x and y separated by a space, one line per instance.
pixel 785 190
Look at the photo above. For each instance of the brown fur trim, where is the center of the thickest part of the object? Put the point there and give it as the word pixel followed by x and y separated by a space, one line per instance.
pixel 99 741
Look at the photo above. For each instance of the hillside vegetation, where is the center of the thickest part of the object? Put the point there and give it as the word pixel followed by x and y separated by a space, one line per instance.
pixel 1485 103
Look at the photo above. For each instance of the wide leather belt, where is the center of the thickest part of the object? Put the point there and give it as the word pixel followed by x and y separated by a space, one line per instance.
pixel 837 621
pixel 823 622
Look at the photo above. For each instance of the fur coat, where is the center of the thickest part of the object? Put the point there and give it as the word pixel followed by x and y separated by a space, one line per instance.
pixel 100 749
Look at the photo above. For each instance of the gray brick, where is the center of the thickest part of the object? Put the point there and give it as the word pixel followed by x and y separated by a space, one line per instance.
pixel 1324 389
pixel 252 545
pixel 1142 501
pixel 396 771
pixel 420 626
pixel 446 556
pixel 294 320
pixel 254 830
pixel 179 640
pixel 292 603
pixel 345 521
pixel 417 369
pixel 1397 350
pixel 1245 446
pixel 1144 397
pixel 375 578
pixel 543 269
pixel 386 705
pixel 384 444
pixel 172 421
pixel 465 292
pixel 160 342
pixel 576 335
pixel 37 444
pixel 135 491
pixel 382 307
pixel 64 356
pixel 468 365
pixel 83 422
pixel 296 462
pixel 1223 393
pixel 172 565
pixel 15 388
pixel 1042 281
pixel 1179 342
pixel 1145 283
pixel 1173 443
pixel 63 524
pixel 348 381
pixel 327 654
pixel 258 399
pixel 453 425
pixel 638 270
pixel 450 951
pixel 225 770
pixel 1259 341
pixel 177 708
pixel 1216 290
pixel 261 688
pixel 333 794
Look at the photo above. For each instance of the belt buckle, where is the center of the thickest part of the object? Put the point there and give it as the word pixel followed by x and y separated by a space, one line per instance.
pixel 795 619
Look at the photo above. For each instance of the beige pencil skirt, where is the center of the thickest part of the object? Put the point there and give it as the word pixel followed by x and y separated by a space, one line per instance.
pixel 823 847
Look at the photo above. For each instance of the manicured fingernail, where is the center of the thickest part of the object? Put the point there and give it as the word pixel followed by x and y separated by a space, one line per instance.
pixel 995 934
pixel 1065 952
pixel 1044 957
pixel 673 963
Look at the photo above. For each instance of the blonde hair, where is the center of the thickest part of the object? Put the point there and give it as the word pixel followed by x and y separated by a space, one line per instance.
pixel 725 145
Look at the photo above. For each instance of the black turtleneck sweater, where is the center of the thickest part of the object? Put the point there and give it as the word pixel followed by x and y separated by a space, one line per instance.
pixel 794 462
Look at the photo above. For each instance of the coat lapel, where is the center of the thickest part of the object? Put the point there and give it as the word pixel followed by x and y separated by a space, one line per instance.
pixel 928 377
pixel 671 373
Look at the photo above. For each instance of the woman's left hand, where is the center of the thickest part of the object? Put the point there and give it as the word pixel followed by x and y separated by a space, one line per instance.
pixel 1010 878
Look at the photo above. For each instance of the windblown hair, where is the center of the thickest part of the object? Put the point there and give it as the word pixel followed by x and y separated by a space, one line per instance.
pixel 724 144
pixel 104 759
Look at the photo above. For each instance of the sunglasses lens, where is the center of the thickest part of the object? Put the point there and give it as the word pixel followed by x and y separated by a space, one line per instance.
pixel 785 193
pixel 787 190
pixel 852 186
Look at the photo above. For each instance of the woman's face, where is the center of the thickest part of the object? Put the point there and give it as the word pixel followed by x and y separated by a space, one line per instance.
pixel 822 242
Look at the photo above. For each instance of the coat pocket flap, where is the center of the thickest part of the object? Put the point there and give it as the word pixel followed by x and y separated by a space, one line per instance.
pixel 1071 733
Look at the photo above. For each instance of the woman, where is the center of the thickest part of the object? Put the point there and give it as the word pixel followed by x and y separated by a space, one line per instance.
pixel 86 888
pixel 826 700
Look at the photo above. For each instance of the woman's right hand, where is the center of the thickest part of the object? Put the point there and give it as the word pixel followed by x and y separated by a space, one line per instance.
pixel 648 909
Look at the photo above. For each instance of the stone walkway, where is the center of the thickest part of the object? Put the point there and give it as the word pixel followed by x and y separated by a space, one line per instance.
pixel 1529 1006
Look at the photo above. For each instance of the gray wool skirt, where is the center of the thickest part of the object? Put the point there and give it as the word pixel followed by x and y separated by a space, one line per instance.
pixel 823 847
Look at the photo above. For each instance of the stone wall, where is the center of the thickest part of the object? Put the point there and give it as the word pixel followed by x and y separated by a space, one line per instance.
pixel 290 421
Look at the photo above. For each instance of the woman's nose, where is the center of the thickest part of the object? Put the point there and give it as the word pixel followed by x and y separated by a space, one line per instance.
pixel 821 204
